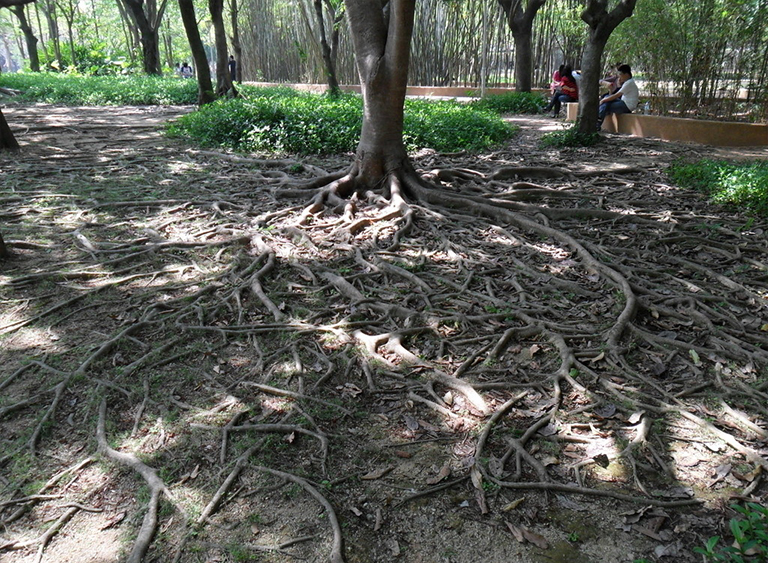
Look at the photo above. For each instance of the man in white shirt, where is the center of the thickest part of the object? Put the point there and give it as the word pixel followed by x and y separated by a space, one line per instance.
pixel 624 100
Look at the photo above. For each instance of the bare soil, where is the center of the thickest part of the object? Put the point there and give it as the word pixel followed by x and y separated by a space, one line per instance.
pixel 197 367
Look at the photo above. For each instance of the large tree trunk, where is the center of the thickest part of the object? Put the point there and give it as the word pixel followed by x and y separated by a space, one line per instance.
pixel 205 93
pixel 523 62
pixel 3 250
pixel 601 24
pixel 381 39
pixel 520 22
pixel 224 84
pixel 7 140
pixel 150 50
pixel 29 37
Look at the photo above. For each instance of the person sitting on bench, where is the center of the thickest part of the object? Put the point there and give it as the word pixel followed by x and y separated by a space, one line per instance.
pixel 624 100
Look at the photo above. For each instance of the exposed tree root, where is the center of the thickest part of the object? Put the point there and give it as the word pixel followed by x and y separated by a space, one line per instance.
pixel 503 321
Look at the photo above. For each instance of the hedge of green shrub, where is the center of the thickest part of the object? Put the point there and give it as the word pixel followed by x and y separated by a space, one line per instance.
pixel 742 184
pixel 512 102
pixel 54 88
pixel 301 123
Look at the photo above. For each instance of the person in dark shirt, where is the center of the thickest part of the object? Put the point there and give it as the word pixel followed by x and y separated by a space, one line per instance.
pixel 232 68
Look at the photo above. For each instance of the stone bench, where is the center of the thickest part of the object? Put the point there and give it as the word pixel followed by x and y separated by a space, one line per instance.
pixel 705 132
pixel 571 111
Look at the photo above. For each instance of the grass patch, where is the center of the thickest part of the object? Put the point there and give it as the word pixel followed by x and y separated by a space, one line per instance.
pixel 69 89
pixel 742 184
pixel 278 122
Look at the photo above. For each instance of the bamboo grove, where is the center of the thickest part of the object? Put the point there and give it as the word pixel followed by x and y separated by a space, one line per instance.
pixel 708 53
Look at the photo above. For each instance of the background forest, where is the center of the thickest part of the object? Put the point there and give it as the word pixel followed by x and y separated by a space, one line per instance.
pixel 712 53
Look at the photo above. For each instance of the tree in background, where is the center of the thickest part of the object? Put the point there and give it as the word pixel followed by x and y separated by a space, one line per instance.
pixel 51 17
pixel 234 39
pixel 601 24
pixel 69 9
pixel 520 16
pixel 224 86
pixel 29 36
pixel 146 15
pixel 329 51
pixel 204 87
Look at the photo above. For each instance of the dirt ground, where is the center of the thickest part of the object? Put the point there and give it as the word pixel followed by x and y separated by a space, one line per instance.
pixel 198 366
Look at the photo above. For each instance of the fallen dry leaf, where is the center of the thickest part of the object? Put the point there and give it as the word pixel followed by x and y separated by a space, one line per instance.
pixel 378 474
pixel 477 477
pixel 114 521
pixel 517 532
pixel 536 539
pixel 512 505
pixel 445 471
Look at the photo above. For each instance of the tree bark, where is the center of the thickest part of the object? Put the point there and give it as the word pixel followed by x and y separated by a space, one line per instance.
pixel 7 140
pixel 237 48
pixel 205 93
pixel 3 249
pixel 49 10
pixel 147 17
pixel 224 84
pixel 29 37
pixel 381 38
pixel 520 20
pixel 330 65
pixel 601 24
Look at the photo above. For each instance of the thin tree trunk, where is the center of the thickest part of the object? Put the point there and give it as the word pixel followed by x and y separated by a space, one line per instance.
pixel 205 93
pixel 330 67
pixel 224 84
pixel 237 48
pixel 29 37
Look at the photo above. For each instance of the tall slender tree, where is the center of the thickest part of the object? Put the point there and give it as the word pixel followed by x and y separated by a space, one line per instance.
pixel 237 48
pixel 146 16
pixel 204 86
pixel 329 49
pixel 224 84
pixel 520 15
pixel 29 36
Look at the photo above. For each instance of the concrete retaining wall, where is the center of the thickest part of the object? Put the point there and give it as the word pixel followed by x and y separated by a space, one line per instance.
pixel 705 132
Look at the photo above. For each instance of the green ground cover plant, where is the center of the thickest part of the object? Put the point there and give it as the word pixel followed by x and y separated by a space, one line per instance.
pixel 743 184
pixel 301 123
pixel 512 102
pixel 750 534
pixel 569 138
pixel 54 88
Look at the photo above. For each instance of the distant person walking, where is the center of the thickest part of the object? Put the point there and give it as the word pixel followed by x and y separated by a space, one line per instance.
pixel 232 68
pixel 624 100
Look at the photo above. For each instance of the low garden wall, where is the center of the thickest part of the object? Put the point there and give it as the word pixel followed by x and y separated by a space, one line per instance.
pixel 705 132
